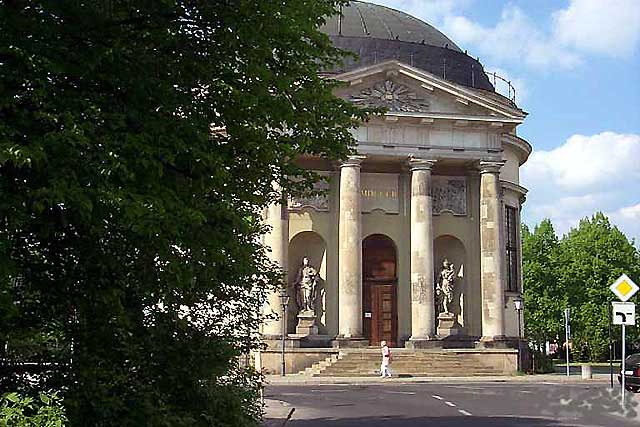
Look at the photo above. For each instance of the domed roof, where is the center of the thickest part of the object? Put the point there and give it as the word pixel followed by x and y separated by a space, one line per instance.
pixel 378 33
pixel 360 19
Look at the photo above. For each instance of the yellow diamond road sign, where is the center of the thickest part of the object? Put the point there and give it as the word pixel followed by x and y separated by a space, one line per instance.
pixel 624 288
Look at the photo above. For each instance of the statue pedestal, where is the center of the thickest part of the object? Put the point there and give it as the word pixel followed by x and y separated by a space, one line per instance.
pixel 448 325
pixel 307 324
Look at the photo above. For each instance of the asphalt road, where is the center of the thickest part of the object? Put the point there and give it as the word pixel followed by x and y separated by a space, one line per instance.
pixel 395 404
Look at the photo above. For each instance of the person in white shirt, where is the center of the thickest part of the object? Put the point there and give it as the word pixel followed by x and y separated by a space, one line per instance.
pixel 386 360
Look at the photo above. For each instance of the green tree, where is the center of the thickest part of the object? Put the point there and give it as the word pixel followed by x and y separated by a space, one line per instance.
pixel 138 145
pixel 21 411
pixel 544 296
pixel 591 257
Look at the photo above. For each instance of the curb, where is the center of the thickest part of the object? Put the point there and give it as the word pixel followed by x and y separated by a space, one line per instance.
pixel 303 380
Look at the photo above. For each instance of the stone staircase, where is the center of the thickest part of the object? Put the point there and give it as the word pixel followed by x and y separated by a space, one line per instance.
pixel 405 363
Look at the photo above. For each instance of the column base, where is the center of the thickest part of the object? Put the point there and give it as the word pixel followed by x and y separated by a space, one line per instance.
pixel 499 341
pixel 423 342
pixel 350 342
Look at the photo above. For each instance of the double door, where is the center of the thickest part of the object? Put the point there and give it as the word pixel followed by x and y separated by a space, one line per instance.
pixel 380 320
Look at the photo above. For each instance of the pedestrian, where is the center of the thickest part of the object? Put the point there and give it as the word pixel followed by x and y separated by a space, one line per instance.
pixel 386 360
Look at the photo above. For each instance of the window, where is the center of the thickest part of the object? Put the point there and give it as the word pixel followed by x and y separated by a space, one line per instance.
pixel 513 270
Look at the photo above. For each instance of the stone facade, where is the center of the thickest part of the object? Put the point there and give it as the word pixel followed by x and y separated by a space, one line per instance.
pixel 433 177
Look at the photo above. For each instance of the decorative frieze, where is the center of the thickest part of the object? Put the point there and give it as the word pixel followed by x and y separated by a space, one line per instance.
pixel 449 195
pixel 391 95
pixel 317 202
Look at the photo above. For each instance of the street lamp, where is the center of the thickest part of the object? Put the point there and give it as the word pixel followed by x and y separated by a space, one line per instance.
pixel 519 305
pixel 284 302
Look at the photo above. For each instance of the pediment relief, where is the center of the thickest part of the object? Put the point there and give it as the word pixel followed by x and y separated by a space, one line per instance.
pixel 393 96
pixel 401 95
pixel 403 89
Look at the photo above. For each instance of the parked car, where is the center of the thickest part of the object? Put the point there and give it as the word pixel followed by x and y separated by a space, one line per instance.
pixel 631 373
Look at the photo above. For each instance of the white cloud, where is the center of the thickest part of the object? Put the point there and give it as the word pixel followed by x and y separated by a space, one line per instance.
pixel 609 27
pixel 514 38
pixel 628 220
pixel 558 207
pixel 631 213
pixel 584 175
pixel 582 161
pixel 604 27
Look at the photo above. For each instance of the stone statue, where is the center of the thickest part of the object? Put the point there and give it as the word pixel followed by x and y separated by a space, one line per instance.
pixel 306 281
pixel 446 283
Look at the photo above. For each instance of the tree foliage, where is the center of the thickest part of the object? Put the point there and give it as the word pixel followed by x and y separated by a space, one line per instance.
pixel 138 144
pixel 545 299
pixel 24 411
pixel 576 272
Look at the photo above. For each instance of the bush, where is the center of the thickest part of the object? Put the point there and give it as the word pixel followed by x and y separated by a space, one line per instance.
pixel 24 411
pixel 542 364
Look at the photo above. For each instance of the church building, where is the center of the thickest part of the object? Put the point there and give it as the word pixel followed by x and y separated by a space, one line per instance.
pixel 417 240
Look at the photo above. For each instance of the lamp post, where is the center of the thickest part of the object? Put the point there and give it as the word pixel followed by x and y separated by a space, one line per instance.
pixel 518 303
pixel 284 301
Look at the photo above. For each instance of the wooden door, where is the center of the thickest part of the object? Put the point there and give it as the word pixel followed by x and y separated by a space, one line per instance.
pixel 384 315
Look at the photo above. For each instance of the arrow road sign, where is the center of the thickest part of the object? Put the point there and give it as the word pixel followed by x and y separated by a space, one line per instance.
pixel 624 288
pixel 624 313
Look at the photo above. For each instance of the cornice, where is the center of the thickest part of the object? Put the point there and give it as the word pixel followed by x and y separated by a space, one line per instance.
pixel 514 187
pixel 454 117
pixel 431 81
pixel 522 147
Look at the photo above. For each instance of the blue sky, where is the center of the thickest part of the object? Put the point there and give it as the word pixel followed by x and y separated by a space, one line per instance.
pixel 576 68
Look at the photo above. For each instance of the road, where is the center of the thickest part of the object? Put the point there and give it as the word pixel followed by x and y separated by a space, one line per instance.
pixel 392 403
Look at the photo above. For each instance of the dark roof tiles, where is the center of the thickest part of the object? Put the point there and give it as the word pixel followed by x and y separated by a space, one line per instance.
pixel 378 33
pixel 360 19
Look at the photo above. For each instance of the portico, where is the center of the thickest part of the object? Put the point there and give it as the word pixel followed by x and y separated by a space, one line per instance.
pixel 430 186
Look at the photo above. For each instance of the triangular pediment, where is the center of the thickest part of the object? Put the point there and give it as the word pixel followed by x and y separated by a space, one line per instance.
pixel 407 91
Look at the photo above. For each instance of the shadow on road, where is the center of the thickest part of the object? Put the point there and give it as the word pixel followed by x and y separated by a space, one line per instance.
pixel 587 403
pixel 396 421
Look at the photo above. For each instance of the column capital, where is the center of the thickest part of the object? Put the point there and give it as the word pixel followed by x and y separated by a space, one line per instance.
pixel 487 166
pixel 472 170
pixel 352 161
pixel 416 164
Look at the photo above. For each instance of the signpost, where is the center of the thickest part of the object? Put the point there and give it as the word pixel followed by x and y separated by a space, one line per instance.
pixel 567 333
pixel 624 313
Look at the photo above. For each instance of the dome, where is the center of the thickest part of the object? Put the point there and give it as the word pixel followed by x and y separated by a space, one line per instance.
pixel 360 19
pixel 378 33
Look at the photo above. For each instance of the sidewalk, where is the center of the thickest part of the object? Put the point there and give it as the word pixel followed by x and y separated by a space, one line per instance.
pixel 296 379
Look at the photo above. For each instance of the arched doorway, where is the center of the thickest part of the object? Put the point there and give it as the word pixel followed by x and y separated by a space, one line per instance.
pixel 379 296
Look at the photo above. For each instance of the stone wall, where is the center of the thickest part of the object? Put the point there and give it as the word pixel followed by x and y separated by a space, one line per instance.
pixel 296 359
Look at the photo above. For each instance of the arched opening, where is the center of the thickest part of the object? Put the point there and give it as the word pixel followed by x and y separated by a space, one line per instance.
pixel 379 293
pixel 447 247
pixel 311 245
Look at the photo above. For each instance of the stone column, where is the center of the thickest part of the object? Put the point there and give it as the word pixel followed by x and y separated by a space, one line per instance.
pixel 276 217
pixel 492 251
pixel 350 251
pixel 423 315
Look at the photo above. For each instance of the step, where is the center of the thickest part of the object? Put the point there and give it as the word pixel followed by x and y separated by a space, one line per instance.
pixel 405 362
